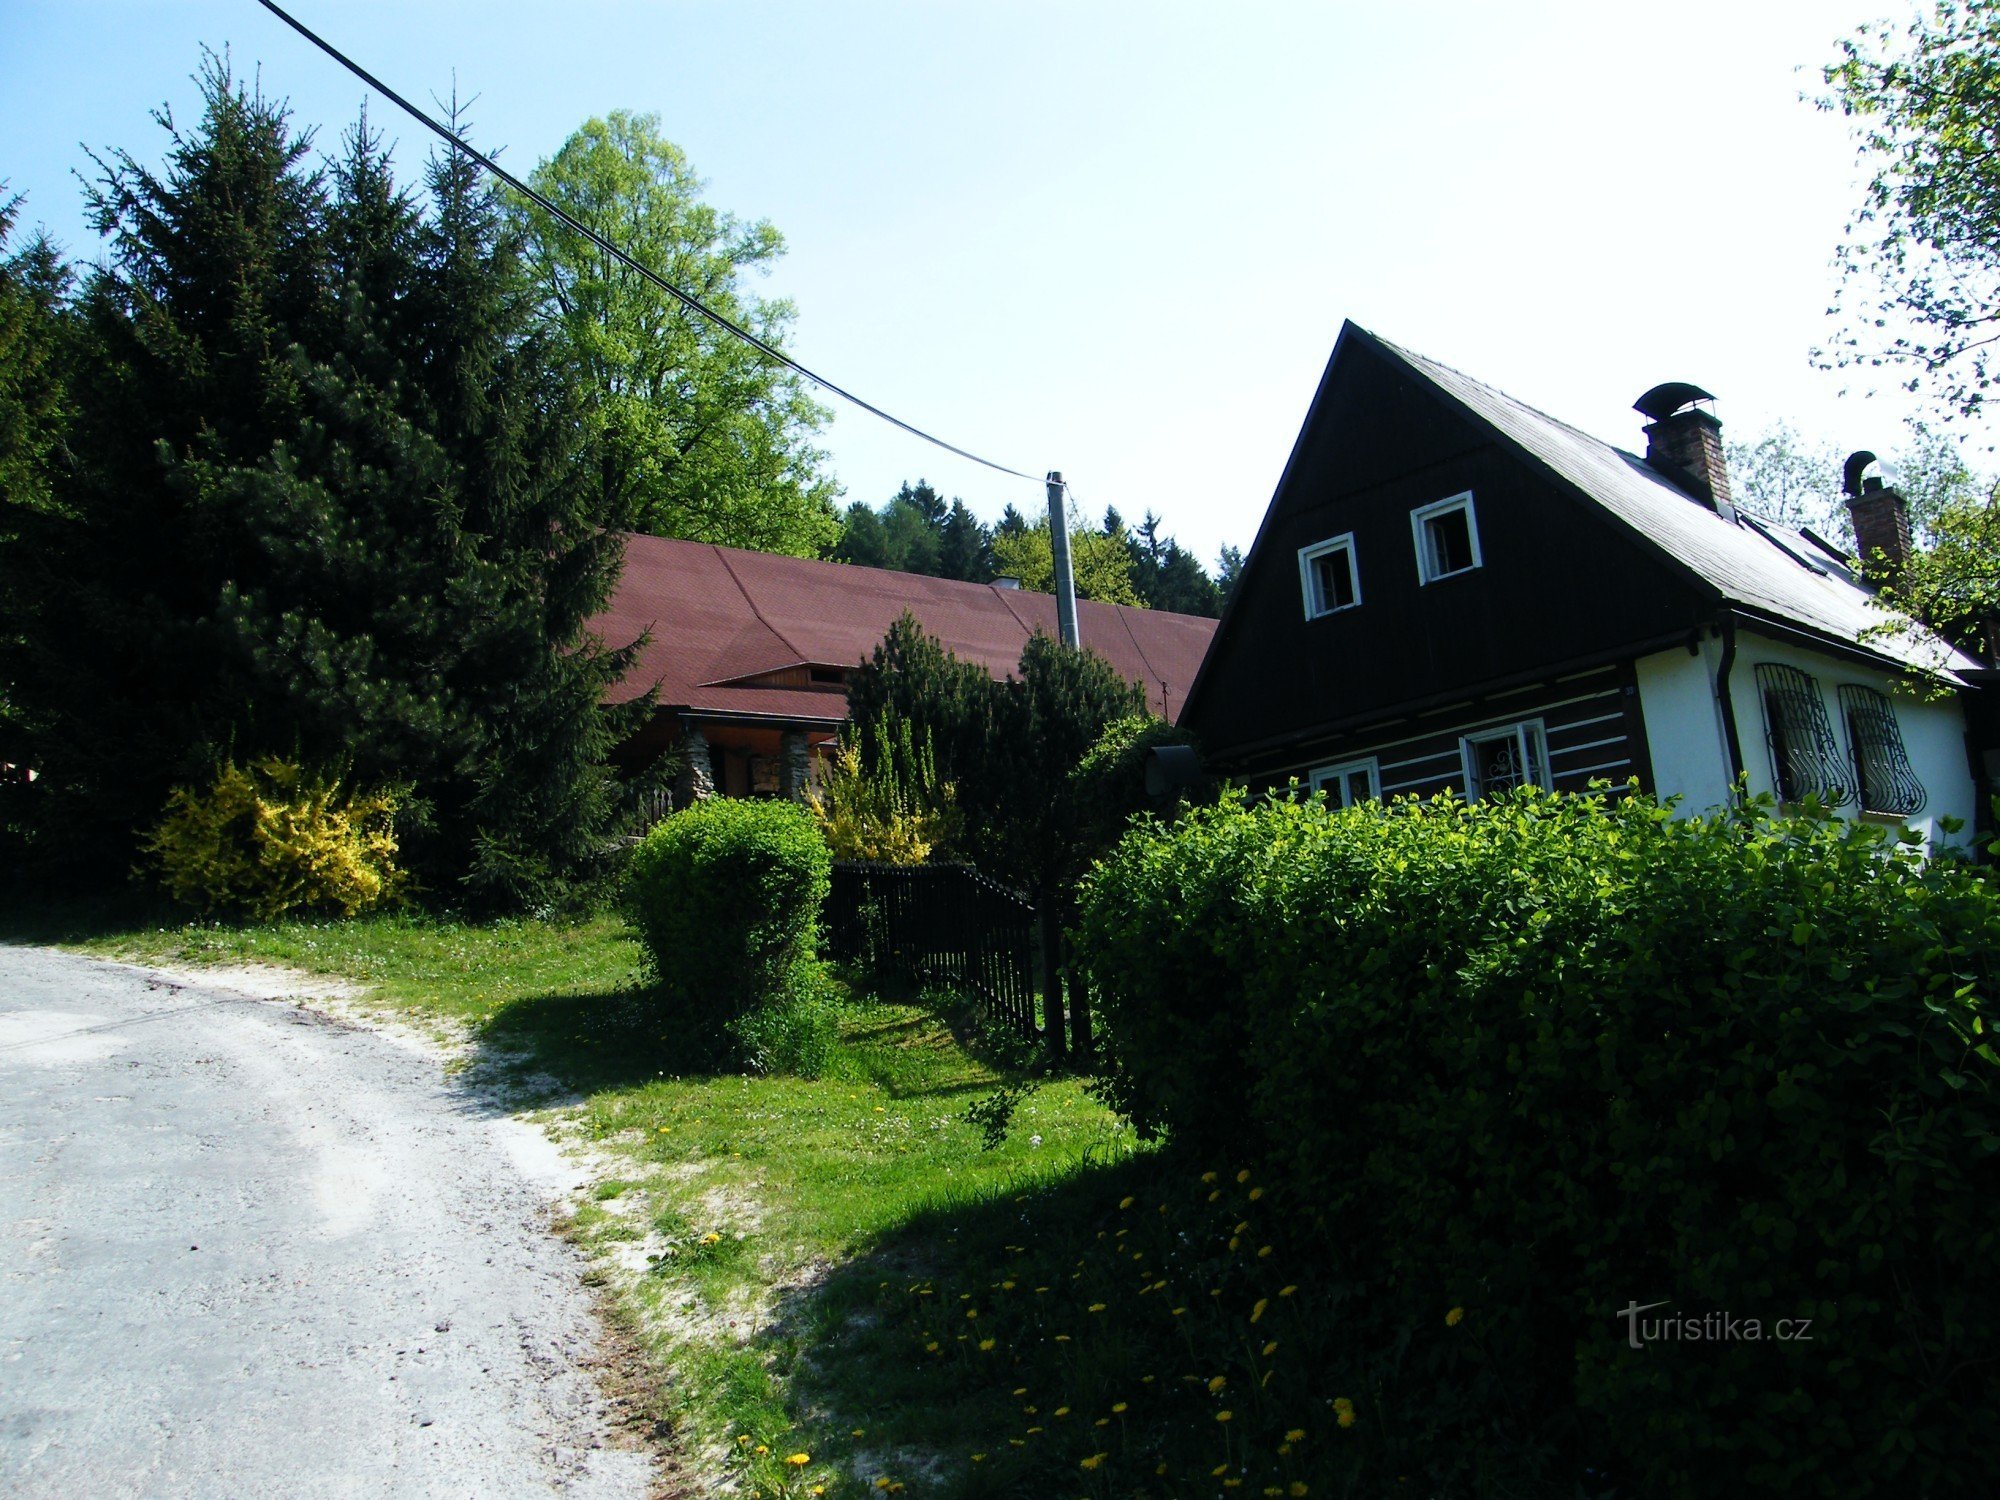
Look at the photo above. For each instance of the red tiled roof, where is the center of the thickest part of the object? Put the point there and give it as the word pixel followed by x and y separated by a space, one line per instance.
pixel 718 615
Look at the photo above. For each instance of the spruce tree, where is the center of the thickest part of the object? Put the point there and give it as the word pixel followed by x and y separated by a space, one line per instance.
pixel 330 509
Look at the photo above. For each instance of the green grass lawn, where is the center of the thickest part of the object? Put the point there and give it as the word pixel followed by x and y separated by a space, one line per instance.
pixel 750 1229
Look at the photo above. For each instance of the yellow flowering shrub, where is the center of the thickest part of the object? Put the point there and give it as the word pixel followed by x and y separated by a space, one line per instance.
pixel 271 838
pixel 895 810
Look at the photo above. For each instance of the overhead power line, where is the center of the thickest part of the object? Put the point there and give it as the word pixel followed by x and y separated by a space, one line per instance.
pixel 769 351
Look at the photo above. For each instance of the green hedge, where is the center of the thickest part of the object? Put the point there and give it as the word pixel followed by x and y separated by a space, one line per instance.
pixel 1544 1058
pixel 726 896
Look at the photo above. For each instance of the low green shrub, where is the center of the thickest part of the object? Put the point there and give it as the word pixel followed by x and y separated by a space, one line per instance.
pixel 726 897
pixel 272 839
pixel 1548 1059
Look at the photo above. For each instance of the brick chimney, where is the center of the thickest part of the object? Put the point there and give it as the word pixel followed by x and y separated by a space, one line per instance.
pixel 1881 521
pixel 1684 440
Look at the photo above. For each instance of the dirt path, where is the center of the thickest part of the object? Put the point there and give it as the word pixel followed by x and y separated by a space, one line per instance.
pixel 249 1249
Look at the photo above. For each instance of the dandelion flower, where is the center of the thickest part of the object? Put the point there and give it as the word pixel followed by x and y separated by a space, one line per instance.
pixel 1062 1338
pixel 1117 1407
pixel 1256 1193
pixel 1258 1311
pixel 1451 1319
pixel 1224 1416
pixel 1286 1291
pixel 931 1347
pixel 1218 1471
pixel 798 1460
pixel 1020 1390
pixel 1126 1202
pixel 1208 1177
pixel 1270 1348
pixel 1062 1411
pixel 1218 1383
pixel 1097 1307
pixel 979 1458
pixel 1093 1461
pixel 1244 1175
pixel 1177 1312
pixel 1296 1435
pixel 1298 1487
pixel 860 1432
pixel 1214 1195
pixel 1263 1251
pixel 762 1449
pixel 1006 1286
pixel 1345 1418
pixel 985 1345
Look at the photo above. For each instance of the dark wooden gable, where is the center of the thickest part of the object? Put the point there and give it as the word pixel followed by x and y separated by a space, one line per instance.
pixel 1561 582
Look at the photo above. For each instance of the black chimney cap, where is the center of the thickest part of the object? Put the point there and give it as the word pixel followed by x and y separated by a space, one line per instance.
pixel 1663 400
pixel 1851 473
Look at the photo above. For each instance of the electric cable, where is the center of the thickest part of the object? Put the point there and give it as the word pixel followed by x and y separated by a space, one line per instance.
pixel 769 351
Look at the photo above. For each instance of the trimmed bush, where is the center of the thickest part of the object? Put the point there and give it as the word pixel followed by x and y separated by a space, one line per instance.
pixel 272 839
pixel 1545 1058
pixel 726 896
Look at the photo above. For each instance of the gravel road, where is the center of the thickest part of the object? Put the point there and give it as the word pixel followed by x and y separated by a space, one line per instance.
pixel 248 1250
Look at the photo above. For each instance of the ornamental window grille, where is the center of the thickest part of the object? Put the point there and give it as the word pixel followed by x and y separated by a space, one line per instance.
pixel 1887 782
pixel 1500 760
pixel 1805 759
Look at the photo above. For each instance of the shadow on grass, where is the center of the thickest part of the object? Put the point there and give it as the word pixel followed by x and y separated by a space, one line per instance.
pixel 884 1344
pixel 31 916
pixel 586 1041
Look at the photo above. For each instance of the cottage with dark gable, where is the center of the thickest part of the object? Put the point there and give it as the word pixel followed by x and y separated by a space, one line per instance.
pixel 1454 590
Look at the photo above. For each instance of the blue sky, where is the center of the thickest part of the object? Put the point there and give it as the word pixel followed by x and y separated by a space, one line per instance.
pixel 1119 239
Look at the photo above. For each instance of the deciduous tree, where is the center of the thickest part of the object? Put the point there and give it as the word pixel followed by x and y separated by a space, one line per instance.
pixel 694 433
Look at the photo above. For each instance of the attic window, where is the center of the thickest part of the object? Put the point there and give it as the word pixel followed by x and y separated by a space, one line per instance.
pixel 1447 536
pixel 1887 781
pixel 1328 576
pixel 1805 761
pixel 832 676
pixel 1499 760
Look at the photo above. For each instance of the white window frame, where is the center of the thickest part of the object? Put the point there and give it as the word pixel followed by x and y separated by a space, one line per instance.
pixel 1418 532
pixel 1335 777
pixel 1531 740
pixel 1316 608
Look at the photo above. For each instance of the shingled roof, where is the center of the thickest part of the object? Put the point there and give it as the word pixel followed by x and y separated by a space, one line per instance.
pixel 721 618
pixel 1762 567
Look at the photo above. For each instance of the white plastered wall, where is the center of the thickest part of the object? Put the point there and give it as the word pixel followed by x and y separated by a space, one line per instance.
pixel 1684 733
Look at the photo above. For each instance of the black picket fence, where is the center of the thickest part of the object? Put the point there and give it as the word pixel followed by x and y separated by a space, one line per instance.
pixel 948 925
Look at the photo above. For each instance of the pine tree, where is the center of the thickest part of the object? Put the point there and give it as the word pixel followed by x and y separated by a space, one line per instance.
pixel 180 368
pixel 331 510
pixel 34 420
pixel 965 547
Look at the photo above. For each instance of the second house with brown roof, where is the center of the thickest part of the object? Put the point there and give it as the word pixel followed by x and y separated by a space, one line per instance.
pixel 749 652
